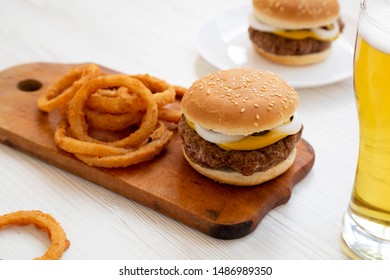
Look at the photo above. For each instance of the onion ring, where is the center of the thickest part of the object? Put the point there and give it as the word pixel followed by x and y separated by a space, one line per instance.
pixel 59 93
pixel 72 145
pixel 180 91
pixel 112 122
pixel 45 222
pixel 159 139
pixel 163 93
pixel 118 101
pixel 76 116
pixel 169 115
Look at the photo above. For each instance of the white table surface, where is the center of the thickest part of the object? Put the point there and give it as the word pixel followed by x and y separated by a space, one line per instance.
pixel 159 37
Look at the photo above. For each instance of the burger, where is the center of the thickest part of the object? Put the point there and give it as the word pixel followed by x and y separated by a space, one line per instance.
pixel 294 32
pixel 239 126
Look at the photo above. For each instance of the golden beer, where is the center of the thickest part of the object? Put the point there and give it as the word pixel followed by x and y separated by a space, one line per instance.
pixel 371 194
pixel 366 225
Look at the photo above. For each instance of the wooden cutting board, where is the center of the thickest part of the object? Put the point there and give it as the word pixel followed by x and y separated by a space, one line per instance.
pixel 166 184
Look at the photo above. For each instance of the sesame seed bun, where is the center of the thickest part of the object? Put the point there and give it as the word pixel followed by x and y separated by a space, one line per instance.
pixel 239 101
pixel 296 14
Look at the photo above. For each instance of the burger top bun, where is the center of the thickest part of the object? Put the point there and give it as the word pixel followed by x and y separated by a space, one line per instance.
pixel 296 14
pixel 239 101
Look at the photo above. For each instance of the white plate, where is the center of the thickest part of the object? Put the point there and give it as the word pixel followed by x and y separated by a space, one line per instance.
pixel 224 42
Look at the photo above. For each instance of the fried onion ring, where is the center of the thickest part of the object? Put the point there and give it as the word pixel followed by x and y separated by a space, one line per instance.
pixel 73 145
pixel 119 101
pixel 163 93
pixel 59 93
pixel 112 122
pixel 159 139
pixel 114 101
pixel 45 222
pixel 169 115
pixel 180 91
pixel 77 120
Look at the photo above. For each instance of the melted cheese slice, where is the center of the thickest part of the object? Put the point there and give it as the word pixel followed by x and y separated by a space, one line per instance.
pixel 254 142
pixel 302 34
pixel 327 33
pixel 250 142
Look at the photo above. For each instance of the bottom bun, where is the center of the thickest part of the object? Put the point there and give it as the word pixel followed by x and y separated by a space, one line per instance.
pixel 294 59
pixel 237 179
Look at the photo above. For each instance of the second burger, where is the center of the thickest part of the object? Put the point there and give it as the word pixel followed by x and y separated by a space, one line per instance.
pixel 295 32
pixel 239 126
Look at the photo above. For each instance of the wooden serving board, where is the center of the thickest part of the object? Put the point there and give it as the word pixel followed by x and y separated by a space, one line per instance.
pixel 166 184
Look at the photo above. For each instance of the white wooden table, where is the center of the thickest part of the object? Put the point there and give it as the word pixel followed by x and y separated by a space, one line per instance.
pixel 159 37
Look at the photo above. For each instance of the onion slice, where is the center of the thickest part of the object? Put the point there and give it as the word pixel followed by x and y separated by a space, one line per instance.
pixel 290 128
pixel 320 32
pixel 258 25
pixel 328 34
pixel 216 137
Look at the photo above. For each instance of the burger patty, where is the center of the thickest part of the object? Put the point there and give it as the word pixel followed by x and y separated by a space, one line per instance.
pixel 209 155
pixel 279 45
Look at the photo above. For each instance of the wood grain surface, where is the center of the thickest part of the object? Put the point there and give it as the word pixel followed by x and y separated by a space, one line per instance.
pixel 166 184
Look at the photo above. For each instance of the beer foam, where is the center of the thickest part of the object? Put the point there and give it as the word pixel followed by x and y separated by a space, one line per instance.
pixel 374 24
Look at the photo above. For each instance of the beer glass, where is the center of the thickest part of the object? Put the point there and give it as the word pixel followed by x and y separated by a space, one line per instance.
pixel 366 224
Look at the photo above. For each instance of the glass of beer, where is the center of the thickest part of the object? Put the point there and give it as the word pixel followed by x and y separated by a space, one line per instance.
pixel 366 224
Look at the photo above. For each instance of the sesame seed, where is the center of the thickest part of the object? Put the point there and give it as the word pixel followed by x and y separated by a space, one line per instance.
pixel 256 124
pixel 257 117
pixel 256 105
pixel 242 110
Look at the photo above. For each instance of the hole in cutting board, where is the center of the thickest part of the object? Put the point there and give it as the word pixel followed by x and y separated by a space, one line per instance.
pixel 29 85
